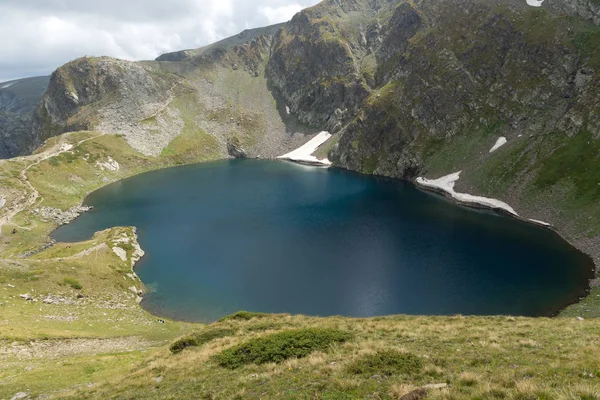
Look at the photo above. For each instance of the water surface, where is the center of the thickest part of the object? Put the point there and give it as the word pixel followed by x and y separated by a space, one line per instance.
pixel 278 237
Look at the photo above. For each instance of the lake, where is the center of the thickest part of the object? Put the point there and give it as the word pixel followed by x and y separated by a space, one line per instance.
pixel 278 237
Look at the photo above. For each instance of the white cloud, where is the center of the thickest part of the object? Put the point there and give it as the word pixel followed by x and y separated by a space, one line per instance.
pixel 40 35
pixel 281 13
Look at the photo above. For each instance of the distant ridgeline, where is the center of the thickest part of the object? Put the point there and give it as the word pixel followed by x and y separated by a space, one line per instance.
pixel 18 100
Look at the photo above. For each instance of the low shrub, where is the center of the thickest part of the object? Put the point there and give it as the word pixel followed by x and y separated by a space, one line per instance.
pixel 200 338
pixel 280 346
pixel 262 326
pixel 388 362
pixel 73 283
pixel 243 316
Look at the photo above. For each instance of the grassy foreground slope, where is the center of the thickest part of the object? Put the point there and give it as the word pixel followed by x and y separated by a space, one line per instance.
pixel 378 358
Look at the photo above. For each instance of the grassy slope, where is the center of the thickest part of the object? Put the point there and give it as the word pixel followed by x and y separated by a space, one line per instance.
pixel 478 357
pixel 104 307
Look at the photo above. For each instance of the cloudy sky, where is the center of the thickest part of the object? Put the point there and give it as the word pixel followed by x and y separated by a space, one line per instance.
pixel 39 35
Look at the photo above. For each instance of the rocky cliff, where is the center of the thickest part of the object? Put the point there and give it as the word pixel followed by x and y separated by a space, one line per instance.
pixel 428 87
pixel 216 97
pixel 18 100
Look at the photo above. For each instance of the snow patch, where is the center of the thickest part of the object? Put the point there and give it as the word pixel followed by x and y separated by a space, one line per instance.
pixel 499 143
pixel 446 184
pixel 535 221
pixel 7 85
pixel 110 165
pixel 287 110
pixel 2 202
pixel 304 153
pixel 535 3
pixel 74 96
pixel 121 253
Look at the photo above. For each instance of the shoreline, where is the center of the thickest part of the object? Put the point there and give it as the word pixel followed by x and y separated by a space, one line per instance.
pixel 555 313
pixel 426 188
pixel 501 211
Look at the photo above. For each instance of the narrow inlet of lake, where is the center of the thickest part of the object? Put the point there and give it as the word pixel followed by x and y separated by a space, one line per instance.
pixel 283 238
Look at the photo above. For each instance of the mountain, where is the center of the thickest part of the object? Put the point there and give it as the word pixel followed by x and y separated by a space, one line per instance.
pixel 218 94
pixel 408 88
pixel 18 100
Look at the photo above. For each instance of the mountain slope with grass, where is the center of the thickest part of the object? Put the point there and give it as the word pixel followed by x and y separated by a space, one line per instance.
pixel 409 88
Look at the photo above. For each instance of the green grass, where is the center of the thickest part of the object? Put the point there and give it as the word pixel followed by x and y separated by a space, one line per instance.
pixel 587 308
pixel 479 357
pixel 575 160
pixel 193 142
pixel 200 338
pixel 73 283
pixel 386 363
pixel 586 38
pixel 279 347
pixel 243 316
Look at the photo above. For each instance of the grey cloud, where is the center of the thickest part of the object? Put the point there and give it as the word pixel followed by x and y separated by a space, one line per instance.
pixel 40 35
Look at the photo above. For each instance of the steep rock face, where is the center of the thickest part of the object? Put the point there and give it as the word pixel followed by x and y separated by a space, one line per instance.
pixel 81 92
pixel 586 9
pixel 315 70
pixel 451 81
pixel 426 87
pixel 200 100
pixel 18 100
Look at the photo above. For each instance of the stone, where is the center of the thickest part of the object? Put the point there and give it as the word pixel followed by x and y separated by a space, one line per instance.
pixel 26 297
pixel 235 150
pixel 120 252
pixel 20 396
pixel 435 386
pixel 417 394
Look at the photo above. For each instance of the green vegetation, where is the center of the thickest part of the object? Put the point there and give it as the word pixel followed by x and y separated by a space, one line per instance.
pixel 193 142
pixel 586 39
pixel 575 160
pixel 200 338
pixel 478 357
pixel 387 363
pixel 73 283
pixel 279 347
pixel 243 316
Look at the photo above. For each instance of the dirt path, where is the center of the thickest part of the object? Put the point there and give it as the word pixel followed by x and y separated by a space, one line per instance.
pixel 62 348
pixel 34 195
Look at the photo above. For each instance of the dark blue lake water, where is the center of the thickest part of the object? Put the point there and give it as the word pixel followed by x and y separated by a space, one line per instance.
pixel 278 237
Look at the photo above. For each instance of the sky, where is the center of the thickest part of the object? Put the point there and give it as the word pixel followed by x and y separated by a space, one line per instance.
pixel 40 35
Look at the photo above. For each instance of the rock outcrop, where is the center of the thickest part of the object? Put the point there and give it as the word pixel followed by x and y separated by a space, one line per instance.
pixel 18 100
